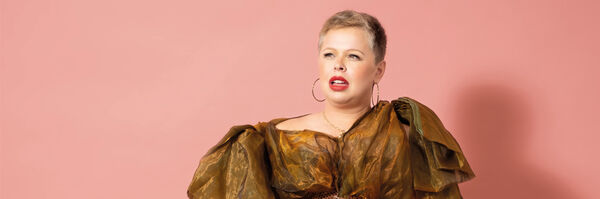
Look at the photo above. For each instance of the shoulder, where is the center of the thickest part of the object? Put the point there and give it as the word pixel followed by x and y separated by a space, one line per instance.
pixel 424 121
pixel 409 109
pixel 404 103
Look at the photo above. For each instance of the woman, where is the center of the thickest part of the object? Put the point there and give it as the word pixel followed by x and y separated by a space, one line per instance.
pixel 396 149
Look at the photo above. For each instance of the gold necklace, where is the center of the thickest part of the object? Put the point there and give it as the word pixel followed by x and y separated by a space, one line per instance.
pixel 331 124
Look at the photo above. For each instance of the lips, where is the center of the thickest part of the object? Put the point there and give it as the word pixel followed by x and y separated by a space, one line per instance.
pixel 338 83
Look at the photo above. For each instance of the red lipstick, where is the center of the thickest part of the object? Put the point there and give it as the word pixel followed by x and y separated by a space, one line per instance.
pixel 338 83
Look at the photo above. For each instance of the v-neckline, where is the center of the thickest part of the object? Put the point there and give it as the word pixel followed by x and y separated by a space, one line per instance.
pixel 364 115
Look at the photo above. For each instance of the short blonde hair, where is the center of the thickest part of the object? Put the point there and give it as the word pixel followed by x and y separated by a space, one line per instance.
pixel 351 18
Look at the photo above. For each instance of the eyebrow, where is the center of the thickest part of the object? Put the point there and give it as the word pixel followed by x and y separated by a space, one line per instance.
pixel 348 49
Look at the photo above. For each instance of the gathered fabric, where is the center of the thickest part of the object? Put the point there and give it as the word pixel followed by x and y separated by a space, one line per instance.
pixel 376 158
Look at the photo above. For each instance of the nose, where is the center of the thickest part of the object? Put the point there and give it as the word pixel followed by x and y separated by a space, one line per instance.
pixel 339 67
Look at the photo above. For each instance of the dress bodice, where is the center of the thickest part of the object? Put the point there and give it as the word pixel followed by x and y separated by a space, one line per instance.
pixel 375 158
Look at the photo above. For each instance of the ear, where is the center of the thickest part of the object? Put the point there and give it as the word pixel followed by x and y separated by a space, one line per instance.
pixel 380 70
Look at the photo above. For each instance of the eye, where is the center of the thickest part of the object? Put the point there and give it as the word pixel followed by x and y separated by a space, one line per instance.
pixel 353 56
pixel 328 55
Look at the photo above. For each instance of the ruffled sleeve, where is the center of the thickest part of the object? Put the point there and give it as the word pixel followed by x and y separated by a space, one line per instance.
pixel 235 167
pixel 437 162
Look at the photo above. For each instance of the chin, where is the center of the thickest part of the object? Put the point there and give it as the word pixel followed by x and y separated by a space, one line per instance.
pixel 339 97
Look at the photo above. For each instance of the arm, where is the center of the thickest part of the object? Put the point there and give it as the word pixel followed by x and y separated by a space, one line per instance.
pixel 234 168
pixel 437 162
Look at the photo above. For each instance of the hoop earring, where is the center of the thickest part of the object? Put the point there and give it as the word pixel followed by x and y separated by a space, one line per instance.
pixel 377 93
pixel 313 91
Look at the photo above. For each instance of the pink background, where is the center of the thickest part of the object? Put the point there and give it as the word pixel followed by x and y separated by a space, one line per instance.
pixel 120 99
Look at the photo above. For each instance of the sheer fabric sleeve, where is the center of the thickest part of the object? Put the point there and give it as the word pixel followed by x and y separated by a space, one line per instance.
pixel 437 161
pixel 234 168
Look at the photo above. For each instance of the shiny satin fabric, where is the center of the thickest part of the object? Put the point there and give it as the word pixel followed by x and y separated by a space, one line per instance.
pixel 375 158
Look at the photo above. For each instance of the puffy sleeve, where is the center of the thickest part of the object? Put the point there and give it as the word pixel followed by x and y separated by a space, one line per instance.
pixel 437 162
pixel 234 168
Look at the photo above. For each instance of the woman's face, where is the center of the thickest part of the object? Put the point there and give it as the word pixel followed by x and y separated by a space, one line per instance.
pixel 346 53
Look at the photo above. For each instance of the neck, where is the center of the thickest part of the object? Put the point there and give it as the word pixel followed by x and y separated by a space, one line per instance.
pixel 343 116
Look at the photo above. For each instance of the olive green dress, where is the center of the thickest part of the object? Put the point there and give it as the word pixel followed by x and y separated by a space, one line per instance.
pixel 375 158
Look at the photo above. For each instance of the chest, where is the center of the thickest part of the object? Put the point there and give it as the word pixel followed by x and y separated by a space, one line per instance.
pixel 313 162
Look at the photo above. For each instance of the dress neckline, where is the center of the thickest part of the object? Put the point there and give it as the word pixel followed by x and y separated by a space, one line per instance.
pixel 364 115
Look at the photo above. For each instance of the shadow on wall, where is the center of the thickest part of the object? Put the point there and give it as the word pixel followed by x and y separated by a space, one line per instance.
pixel 496 121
